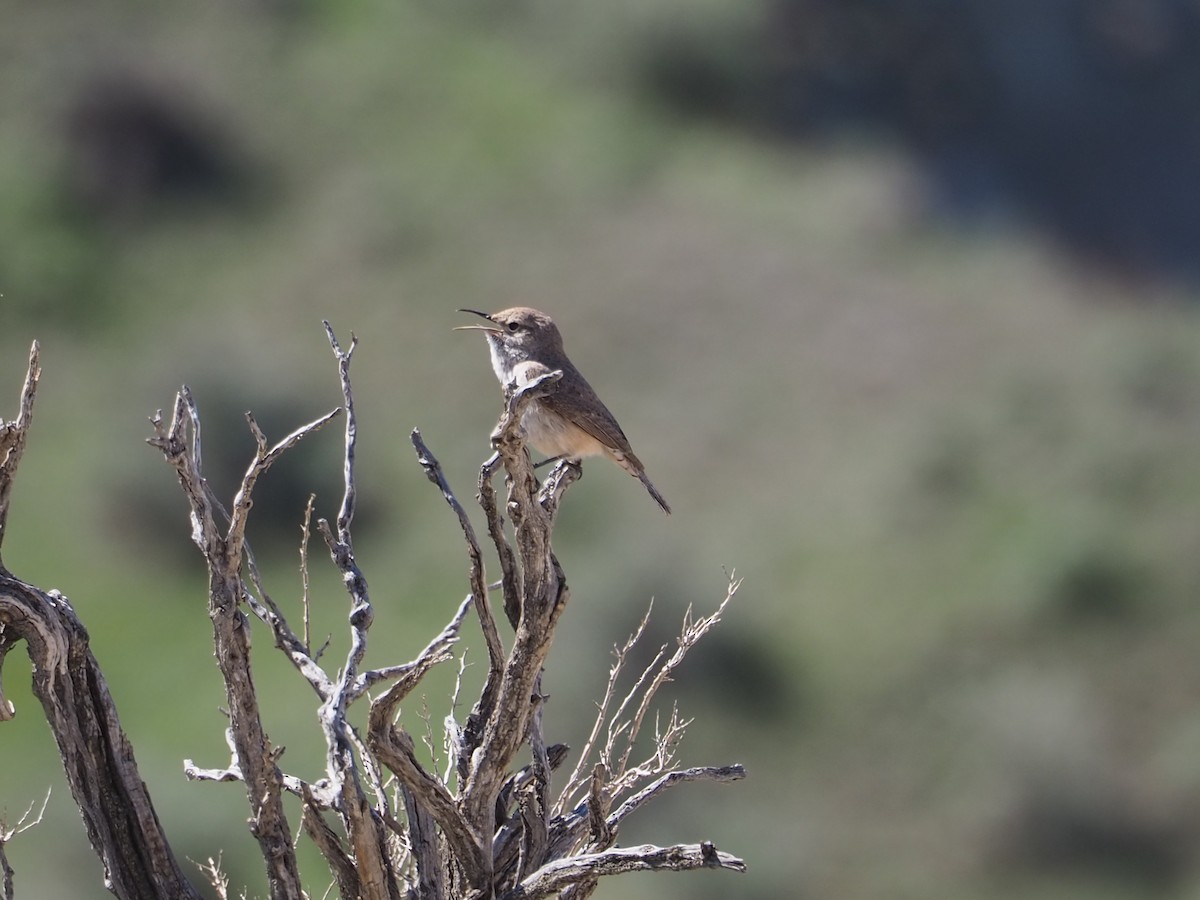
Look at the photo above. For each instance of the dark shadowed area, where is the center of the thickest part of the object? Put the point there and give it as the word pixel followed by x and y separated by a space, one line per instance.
pixel 1078 117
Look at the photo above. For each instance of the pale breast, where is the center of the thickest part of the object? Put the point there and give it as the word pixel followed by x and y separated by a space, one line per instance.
pixel 554 436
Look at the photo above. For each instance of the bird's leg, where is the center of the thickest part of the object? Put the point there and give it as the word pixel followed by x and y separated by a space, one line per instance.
pixel 552 459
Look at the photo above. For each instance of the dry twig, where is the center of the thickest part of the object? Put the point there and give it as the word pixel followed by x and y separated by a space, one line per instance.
pixel 8 832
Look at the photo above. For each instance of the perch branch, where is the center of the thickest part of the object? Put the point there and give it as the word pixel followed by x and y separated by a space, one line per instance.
pixel 544 595
pixel 565 473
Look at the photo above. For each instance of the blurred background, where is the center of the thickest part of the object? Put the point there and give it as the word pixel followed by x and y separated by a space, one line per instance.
pixel 896 300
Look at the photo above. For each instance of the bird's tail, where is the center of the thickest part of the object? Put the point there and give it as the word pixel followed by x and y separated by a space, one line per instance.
pixel 658 498
pixel 631 464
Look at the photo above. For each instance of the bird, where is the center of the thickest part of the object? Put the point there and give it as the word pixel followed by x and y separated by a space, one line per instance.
pixel 571 422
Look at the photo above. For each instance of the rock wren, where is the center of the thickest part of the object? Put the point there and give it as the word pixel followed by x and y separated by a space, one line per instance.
pixel 571 421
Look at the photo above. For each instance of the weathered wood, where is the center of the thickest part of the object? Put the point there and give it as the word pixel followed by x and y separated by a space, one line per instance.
pixel 14 434
pixel 405 831
pixel 560 874
pixel 254 755
pixel 97 757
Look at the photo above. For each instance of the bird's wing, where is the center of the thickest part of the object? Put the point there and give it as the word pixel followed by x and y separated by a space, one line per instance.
pixel 594 417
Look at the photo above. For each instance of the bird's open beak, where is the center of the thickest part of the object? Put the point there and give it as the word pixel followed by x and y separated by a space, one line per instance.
pixel 492 326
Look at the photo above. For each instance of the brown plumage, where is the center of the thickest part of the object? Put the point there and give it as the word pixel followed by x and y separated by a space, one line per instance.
pixel 571 421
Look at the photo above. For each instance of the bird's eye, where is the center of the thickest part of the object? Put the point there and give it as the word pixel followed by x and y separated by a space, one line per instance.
pixel 513 327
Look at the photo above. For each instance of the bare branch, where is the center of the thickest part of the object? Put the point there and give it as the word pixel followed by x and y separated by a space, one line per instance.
pixel 723 774
pixel 472 732
pixel 565 473
pixel 602 836
pixel 6 874
pixel 264 458
pixel 233 772
pixel 193 413
pixel 491 636
pixel 366 833
pixel 97 757
pixel 497 835
pixel 173 443
pixel 8 832
pixel 576 779
pixel 268 612
pixel 557 875
pixel 254 754
pixel 13 435
pixel 598 803
pixel 691 632
pixel 509 840
pixel 340 862
pixel 306 532
pixel 341 544
pixel 534 797
pixel 544 595
pixel 8 640
pixel 346 513
pixel 618 725
pixel 510 575
pixel 394 748
pixel 422 835
pixel 24 823
pixel 410 674
pixel 452 732
pixel 215 876
pixel 194 772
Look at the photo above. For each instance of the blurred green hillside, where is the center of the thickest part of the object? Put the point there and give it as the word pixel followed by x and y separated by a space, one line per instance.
pixel 959 471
